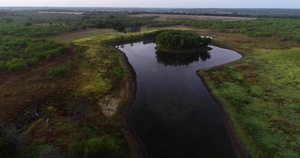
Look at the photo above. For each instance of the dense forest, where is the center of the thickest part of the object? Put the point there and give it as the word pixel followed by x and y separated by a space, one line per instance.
pixel 282 29
pixel 180 40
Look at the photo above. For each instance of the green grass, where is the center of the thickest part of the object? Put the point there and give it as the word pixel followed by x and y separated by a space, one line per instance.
pixel 261 93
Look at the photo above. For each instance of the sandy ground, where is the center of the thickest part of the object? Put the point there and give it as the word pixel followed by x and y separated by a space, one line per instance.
pixel 110 103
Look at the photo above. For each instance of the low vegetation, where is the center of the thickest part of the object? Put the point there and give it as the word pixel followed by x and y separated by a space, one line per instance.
pixel 260 92
pixel 18 53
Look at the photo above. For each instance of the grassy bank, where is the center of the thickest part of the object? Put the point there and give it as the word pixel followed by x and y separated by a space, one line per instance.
pixel 261 93
pixel 60 114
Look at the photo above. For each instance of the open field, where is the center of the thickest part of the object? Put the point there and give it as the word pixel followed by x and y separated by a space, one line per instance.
pixel 261 93
pixel 66 38
pixel 163 17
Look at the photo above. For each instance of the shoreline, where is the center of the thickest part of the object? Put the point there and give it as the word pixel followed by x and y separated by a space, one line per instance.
pixel 239 147
pixel 136 145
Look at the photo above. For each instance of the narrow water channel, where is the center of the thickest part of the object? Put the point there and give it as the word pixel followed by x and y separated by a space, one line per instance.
pixel 174 114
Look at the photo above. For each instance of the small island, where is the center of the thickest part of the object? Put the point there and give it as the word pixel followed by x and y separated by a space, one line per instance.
pixel 178 41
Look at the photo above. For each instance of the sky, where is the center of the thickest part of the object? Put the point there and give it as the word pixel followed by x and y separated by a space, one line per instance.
pixel 156 3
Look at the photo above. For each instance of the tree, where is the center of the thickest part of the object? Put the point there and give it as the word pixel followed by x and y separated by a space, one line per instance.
pixel 121 28
pixel 181 40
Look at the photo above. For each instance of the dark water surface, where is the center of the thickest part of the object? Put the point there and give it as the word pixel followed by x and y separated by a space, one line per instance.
pixel 173 114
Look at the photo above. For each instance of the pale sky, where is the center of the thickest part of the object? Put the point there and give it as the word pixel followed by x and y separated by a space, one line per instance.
pixel 156 3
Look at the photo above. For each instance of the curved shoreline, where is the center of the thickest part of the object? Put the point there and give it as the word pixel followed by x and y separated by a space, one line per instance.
pixel 135 143
pixel 138 146
pixel 239 147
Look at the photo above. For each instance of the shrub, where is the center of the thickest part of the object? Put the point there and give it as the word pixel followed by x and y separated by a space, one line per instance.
pixel 32 61
pixel 104 147
pixel 297 39
pixel 71 64
pixel 118 71
pixel 3 65
pixel 79 57
pixel 81 49
pixel 57 71
pixel 16 64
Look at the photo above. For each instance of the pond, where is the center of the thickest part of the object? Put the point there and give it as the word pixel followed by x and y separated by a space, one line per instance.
pixel 174 114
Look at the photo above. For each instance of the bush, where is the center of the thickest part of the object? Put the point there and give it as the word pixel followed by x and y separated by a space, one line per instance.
pixel 71 64
pixel 57 71
pixel 79 57
pixel 16 64
pixel 118 71
pixel 3 65
pixel 32 61
pixel 104 147
pixel 297 39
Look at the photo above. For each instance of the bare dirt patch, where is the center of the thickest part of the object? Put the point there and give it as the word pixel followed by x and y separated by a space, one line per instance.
pixel 110 103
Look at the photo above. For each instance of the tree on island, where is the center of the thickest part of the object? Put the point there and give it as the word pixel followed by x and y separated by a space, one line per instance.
pixel 181 40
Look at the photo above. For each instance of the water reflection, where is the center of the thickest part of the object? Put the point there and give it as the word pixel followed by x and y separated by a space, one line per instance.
pixel 174 114
pixel 179 59
pixel 148 41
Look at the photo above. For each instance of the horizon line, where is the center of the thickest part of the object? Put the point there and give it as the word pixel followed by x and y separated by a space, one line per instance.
pixel 139 7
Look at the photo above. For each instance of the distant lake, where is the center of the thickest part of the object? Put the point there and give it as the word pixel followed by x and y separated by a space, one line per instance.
pixel 174 114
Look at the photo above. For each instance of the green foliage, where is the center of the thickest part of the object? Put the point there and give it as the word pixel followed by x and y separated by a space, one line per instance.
pixel 18 53
pixel 256 27
pixel 119 72
pixel 104 147
pixel 53 86
pixel 81 49
pixel 57 71
pixel 181 40
pixel 47 110
pixel 236 94
pixel 71 64
pixel 79 56
pixel 256 92
pixel 32 61
pixel 121 28
pixel 16 64
pixel 297 39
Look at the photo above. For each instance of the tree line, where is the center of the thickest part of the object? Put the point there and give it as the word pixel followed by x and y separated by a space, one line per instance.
pixel 283 29
pixel 181 40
